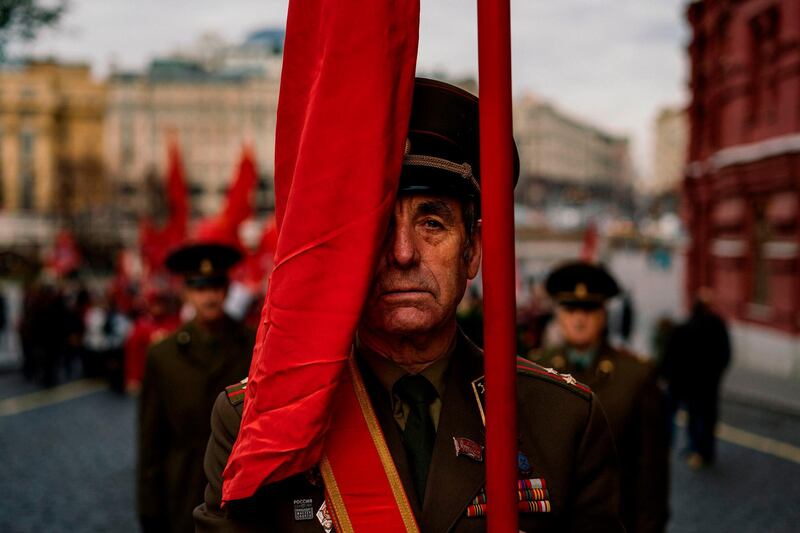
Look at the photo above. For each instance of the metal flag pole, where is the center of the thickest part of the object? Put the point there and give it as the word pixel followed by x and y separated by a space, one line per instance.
pixel 497 205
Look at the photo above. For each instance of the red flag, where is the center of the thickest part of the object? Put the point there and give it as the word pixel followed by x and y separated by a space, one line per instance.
pixel 238 206
pixel 155 243
pixel 65 256
pixel 589 246
pixel 175 230
pixel 252 272
pixel 343 113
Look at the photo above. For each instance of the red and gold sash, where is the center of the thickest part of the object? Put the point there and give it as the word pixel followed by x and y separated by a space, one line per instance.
pixel 363 487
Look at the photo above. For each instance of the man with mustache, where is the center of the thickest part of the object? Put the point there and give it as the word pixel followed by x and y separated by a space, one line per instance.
pixel 424 379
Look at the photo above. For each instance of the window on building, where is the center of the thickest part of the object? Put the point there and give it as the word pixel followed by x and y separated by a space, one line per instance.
pixel 2 175
pixel 27 140
pixel 760 270
pixel 127 149
pixel 764 47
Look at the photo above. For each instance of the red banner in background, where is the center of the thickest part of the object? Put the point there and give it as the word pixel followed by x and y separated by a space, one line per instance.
pixel 155 243
pixel 343 112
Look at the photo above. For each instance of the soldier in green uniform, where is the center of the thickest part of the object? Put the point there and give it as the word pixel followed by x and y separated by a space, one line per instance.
pixel 625 385
pixel 424 377
pixel 183 375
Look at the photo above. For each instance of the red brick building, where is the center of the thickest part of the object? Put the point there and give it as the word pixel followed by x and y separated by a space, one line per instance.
pixel 742 185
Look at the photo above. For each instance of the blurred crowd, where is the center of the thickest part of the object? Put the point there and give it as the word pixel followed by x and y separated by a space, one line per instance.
pixel 71 327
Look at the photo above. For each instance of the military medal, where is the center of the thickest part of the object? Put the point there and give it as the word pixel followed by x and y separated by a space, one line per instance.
pixel 523 465
pixel 324 517
pixel 468 448
pixel 303 509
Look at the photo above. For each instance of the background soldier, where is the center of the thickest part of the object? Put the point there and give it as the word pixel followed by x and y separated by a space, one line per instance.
pixel 625 385
pixel 183 375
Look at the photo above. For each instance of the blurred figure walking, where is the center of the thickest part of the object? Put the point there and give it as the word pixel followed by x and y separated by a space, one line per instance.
pixel 159 319
pixel 625 385
pixel 697 355
pixel 183 375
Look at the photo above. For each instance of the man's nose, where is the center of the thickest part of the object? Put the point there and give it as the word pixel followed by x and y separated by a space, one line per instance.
pixel 403 250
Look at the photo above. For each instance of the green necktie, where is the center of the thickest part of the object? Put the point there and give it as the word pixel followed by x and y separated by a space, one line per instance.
pixel 419 433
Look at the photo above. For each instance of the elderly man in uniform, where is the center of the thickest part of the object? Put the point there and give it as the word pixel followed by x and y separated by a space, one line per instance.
pixel 424 377
pixel 183 375
pixel 624 384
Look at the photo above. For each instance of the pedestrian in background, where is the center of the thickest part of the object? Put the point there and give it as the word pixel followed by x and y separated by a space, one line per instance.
pixel 625 384
pixel 183 375
pixel 697 355
pixel 159 319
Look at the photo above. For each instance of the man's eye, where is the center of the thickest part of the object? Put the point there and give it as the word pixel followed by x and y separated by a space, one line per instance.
pixel 432 224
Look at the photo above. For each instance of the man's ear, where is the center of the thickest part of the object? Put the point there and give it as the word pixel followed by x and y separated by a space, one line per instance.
pixel 472 254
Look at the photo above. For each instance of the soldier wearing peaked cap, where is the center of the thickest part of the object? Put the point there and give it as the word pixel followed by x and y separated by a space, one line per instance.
pixel 625 385
pixel 184 373
pixel 423 378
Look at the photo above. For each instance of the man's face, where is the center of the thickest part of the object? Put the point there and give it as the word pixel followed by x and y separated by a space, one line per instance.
pixel 582 328
pixel 207 301
pixel 423 270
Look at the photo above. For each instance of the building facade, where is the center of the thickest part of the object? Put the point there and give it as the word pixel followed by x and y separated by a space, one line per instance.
pixel 213 101
pixel 670 144
pixel 51 134
pixel 565 160
pixel 742 185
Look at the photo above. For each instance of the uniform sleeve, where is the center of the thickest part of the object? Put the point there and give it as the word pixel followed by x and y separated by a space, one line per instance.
pixel 210 516
pixel 595 501
pixel 153 442
pixel 653 470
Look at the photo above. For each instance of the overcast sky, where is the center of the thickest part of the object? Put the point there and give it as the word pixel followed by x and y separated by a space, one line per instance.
pixel 611 62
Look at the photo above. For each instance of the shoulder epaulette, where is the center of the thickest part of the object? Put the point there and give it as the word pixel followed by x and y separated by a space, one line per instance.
pixel 236 392
pixel 529 368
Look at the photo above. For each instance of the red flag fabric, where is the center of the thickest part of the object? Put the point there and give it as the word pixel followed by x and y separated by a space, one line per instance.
pixel 223 228
pixel 589 245
pixel 254 270
pixel 155 243
pixel 65 256
pixel 343 113
pixel 238 206
pixel 177 196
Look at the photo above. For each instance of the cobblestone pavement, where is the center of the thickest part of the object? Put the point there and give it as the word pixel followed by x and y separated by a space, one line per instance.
pixel 68 467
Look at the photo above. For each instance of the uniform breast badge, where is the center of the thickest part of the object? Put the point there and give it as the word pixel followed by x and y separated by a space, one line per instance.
pixel 523 465
pixel 303 509
pixel 532 497
pixel 324 517
pixel 468 448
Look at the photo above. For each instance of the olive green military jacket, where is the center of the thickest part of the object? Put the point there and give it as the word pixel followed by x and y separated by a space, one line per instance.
pixel 627 389
pixel 563 434
pixel 183 375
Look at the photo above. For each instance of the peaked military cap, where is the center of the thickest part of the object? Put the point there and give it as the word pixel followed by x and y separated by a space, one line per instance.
pixel 203 264
pixel 443 146
pixel 581 284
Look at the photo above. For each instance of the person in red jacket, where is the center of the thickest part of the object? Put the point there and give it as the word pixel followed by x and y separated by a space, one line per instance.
pixel 159 320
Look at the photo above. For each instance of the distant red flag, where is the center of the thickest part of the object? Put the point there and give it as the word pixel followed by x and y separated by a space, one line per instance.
pixel 178 198
pixel 65 256
pixel 155 243
pixel 343 113
pixel 257 265
pixel 589 247
pixel 238 206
